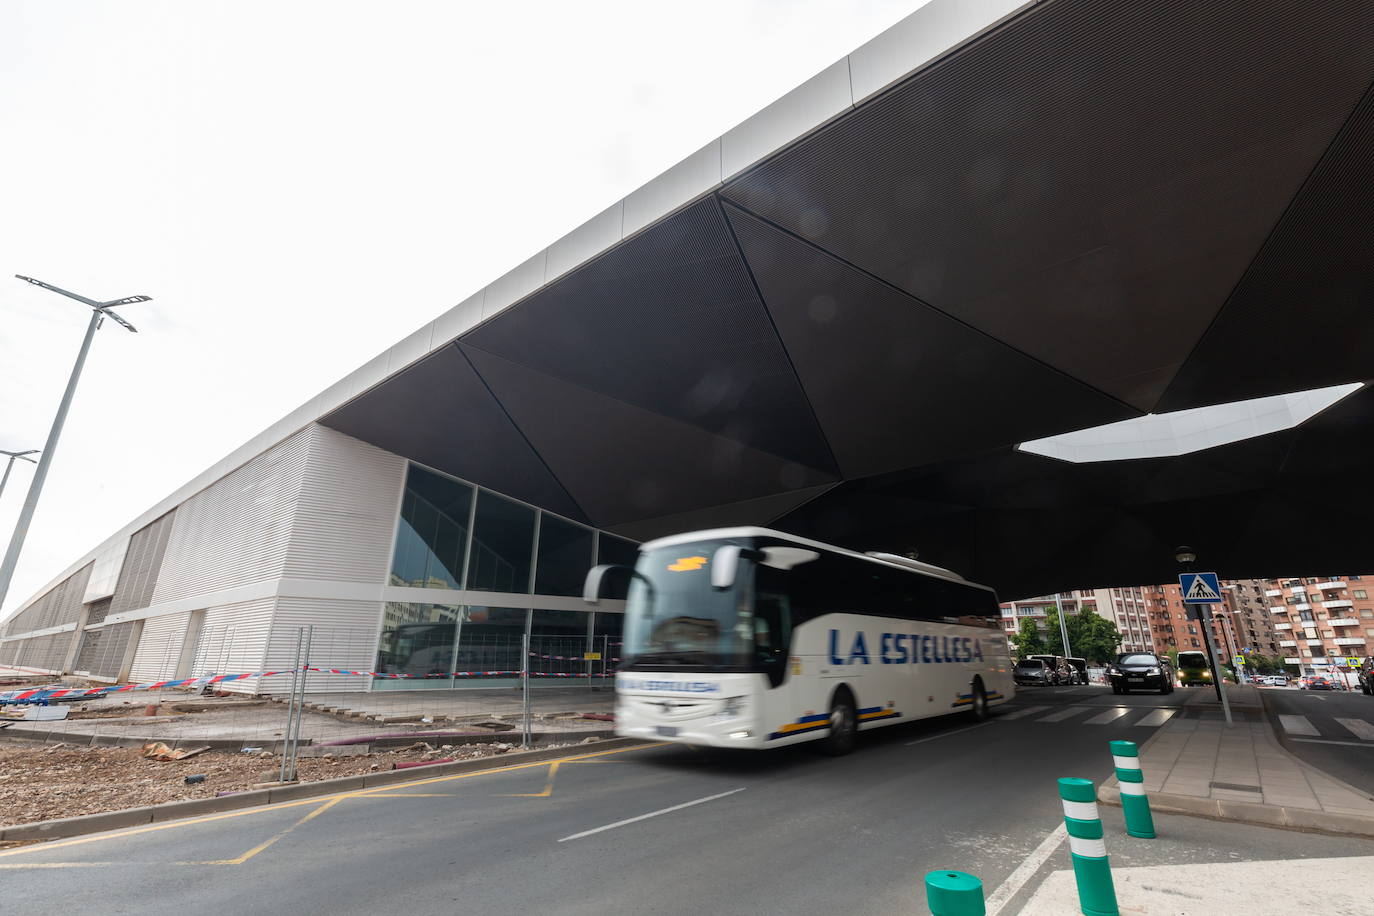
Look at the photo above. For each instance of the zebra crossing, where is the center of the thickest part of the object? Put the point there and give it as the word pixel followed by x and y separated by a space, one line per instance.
pixel 1129 716
pixel 1332 728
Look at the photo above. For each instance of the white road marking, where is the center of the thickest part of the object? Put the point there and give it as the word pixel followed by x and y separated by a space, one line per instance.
pixel 1157 718
pixel 1359 727
pixel 1298 725
pixel 1064 714
pixel 1108 717
pixel 947 734
pixel 1023 712
pixel 1025 871
pixel 645 817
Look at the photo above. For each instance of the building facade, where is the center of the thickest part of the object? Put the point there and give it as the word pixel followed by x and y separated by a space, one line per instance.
pixel 1127 607
pixel 400 569
pixel 1322 621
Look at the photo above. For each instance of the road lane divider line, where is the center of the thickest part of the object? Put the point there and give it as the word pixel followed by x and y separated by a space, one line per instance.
pixel 314 800
pixel 1028 711
pixel 239 860
pixel 645 817
pixel 957 731
pixel 1299 725
pixel 1026 870
pixel 1359 728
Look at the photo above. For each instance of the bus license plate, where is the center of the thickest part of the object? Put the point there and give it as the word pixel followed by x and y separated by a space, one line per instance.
pixel 666 731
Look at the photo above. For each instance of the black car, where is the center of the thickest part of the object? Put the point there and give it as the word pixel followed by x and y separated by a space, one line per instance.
pixel 1059 671
pixel 1078 670
pixel 1366 675
pixel 1032 672
pixel 1140 671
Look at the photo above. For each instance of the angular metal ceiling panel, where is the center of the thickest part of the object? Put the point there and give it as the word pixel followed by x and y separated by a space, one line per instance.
pixel 895 382
pixel 760 511
pixel 1089 182
pixel 440 413
pixel 622 463
pixel 1303 316
pixel 669 322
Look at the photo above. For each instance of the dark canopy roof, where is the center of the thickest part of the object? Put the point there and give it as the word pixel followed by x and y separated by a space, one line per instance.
pixel 1094 211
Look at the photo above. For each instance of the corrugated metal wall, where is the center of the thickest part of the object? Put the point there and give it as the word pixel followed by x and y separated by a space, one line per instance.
pixel 9 651
pixel 345 636
pixel 237 530
pixel 102 650
pixel 346 512
pixel 45 652
pixel 233 640
pixel 159 647
pixel 142 562
pixel 60 604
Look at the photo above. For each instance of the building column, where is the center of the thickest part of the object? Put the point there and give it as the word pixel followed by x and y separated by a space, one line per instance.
pixel 126 666
pixel 74 649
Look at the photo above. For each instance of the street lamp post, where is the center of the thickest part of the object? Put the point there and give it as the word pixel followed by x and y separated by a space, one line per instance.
pixel 1063 627
pixel 99 312
pixel 9 465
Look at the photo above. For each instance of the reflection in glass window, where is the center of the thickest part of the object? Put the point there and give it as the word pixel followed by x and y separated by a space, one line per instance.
pixel 565 555
pixel 502 545
pixel 432 535
pixel 417 639
pixel 611 549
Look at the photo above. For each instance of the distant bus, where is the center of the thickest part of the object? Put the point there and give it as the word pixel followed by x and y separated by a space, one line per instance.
pixel 1193 669
pixel 750 638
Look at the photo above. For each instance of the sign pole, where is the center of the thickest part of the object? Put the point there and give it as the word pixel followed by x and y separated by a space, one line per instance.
pixel 1216 673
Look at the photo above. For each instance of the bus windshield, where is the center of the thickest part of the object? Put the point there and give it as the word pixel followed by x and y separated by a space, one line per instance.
pixel 1192 660
pixel 675 618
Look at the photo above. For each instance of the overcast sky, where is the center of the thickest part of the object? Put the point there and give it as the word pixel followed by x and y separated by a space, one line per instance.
pixel 299 185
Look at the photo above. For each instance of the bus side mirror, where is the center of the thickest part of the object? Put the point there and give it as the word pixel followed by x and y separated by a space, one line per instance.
pixel 592 585
pixel 725 564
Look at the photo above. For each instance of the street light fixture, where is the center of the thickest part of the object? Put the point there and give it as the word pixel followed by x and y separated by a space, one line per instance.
pixel 9 465
pixel 99 312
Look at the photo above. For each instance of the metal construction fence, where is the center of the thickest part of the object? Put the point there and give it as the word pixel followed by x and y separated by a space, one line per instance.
pixel 517 690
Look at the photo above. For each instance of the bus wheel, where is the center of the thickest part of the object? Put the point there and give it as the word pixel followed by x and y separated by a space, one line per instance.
pixel 978 709
pixel 844 725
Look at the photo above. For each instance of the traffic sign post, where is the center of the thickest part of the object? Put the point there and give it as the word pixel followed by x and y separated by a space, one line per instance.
pixel 1200 591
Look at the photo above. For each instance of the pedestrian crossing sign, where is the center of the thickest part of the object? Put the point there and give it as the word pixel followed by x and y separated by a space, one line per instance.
pixel 1200 588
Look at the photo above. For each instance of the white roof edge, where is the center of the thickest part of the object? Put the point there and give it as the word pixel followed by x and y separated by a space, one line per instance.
pixel 922 38
pixel 752 531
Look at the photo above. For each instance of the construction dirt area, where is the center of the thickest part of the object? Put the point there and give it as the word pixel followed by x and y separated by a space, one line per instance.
pixel 41 782
pixel 101 753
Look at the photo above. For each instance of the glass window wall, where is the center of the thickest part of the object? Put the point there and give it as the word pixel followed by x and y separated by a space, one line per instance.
pixel 502 545
pixel 565 555
pixel 431 539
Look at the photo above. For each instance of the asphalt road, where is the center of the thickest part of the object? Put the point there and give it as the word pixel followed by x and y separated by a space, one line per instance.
pixel 658 829
pixel 1331 730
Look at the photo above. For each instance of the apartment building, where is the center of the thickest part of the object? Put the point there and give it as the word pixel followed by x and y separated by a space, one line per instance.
pixel 1321 621
pixel 1127 607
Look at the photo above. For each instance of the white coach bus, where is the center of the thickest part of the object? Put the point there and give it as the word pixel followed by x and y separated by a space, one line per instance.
pixel 750 638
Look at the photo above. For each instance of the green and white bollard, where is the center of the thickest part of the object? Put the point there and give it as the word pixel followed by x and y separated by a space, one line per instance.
pixel 1096 893
pixel 1134 804
pixel 954 893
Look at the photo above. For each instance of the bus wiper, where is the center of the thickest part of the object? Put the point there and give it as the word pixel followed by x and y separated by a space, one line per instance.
pixel 680 656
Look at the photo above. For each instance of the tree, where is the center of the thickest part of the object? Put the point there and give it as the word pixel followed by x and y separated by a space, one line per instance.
pixel 1172 652
pixel 1028 640
pixel 1091 636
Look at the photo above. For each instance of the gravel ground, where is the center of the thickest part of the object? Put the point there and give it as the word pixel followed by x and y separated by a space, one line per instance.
pixel 42 782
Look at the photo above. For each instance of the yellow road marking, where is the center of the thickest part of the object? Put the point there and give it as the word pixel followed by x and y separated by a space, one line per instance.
pixel 367 793
pixel 261 846
pixel 548 789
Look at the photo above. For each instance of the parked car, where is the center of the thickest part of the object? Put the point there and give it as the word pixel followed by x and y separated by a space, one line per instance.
pixel 1058 668
pixel 1366 675
pixel 1078 670
pixel 1273 680
pixel 1032 672
pixel 1141 671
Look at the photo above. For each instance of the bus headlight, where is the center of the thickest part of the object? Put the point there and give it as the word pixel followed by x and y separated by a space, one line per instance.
pixel 732 706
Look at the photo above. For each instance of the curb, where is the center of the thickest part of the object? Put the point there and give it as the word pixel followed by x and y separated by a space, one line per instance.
pixel 170 811
pixel 97 739
pixel 1251 813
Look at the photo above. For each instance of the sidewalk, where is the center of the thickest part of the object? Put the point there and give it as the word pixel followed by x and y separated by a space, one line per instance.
pixel 1196 764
